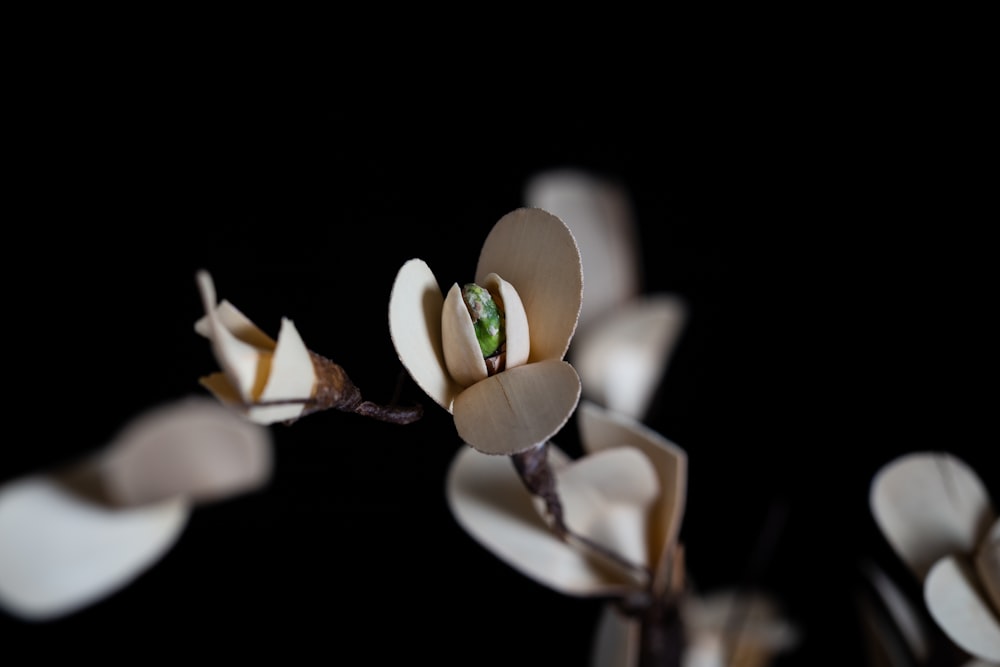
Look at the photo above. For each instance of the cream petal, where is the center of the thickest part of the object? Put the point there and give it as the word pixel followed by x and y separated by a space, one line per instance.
pixel 517 409
pixel 60 553
pixel 959 609
pixel 238 324
pixel 763 630
pixel 607 496
pixel 928 505
pixel 238 360
pixel 600 215
pixel 988 565
pixel 518 345
pixel 622 356
pixel 415 306
pixel 616 641
pixel 193 448
pixel 292 376
pixel 905 618
pixel 601 429
pixel 489 501
pixel 462 355
pixel 535 252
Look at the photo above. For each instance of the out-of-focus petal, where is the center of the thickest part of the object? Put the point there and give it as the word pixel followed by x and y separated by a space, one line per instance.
pixel 290 376
pixel 988 565
pixel 490 502
pixel 519 408
pixel 602 429
pixel 762 633
pixel 956 605
pixel 518 346
pixel 535 252
pixel 929 505
pixel 622 356
pixel 60 552
pixel 462 354
pixel 415 306
pixel 599 213
pixel 193 448
pixel 616 641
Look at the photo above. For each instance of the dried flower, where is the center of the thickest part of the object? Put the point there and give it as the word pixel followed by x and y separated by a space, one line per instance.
pixel 530 265
pixel 936 514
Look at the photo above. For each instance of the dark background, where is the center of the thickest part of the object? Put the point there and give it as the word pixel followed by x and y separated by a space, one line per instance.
pixel 828 244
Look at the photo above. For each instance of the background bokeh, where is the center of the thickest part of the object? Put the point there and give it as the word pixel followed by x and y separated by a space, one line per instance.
pixel 838 280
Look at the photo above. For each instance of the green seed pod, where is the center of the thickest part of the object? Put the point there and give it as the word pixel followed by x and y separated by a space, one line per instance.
pixel 487 318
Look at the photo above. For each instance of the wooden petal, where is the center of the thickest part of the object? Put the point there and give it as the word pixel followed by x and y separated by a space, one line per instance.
pixel 622 356
pixel 607 496
pixel 988 565
pixel 602 429
pixel 929 505
pixel 462 355
pixel 616 641
pixel 415 306
pixel 518 345
pixel 290 375
pixel 490 502
pixel 600 215
pixel 194 448
pixel 536 253
pixel 60 553
pixel 958 608
pixel 519 408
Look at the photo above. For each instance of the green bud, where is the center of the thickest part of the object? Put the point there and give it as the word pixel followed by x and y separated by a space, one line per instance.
pixel 487 318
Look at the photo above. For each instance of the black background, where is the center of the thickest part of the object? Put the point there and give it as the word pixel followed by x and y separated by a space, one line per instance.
pixel 826 240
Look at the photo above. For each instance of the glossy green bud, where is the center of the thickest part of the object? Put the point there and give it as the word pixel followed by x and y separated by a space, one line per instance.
pixel 487 318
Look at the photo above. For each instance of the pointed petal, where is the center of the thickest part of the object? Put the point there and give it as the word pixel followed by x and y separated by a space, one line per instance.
pixel 291 375
pixel 519 408
pixel 616 642
pixel 415 307
pixel 238 324
pixel 988 565
pixel 489 501
pixel 601 429
pixel 238 360
pixel 194 448
pixel 599 213
pixel 535 252
pixel 462 354
pixel 929 505
pixel 622 356
pixel 60 553
pixel 960 610
pixel 518 345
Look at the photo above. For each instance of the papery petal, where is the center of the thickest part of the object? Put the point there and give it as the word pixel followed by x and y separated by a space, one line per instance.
pixel 535 252
pixel 518 345
pixel 517 409
pixel 616 641
pixel 237 324
pixel 489 500
pixel 60 552
pixel 415 306
pixel 239 360
pixel 290 375
pixel 462 354
pixel 601 429
pixel 622 356
pixel 193 448
pixel 957 606
pixel 599 213
pixel 929 505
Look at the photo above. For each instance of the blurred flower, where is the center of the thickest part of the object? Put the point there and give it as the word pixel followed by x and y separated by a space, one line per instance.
pixel 625 335
pixel 530 265
pixel 627 495
pixel 936 514
pixel 72 536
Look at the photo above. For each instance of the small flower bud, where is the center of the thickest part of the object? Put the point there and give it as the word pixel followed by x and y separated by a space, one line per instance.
pixel 487 318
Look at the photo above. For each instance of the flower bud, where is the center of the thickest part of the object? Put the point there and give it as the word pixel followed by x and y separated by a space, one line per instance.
pixel 487 318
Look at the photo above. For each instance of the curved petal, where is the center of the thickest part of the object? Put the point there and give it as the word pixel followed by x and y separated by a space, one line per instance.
pixel 239 360
pixel 536 253
pixel 238 324
pixel 518 345
pixel 599 213
pixel 622 356
pixel 60 553
pixel 988 565
pixel 415 306
pixel 956 606
pixel 194 448
pixel 616 641
pixel 929 505
pixel 462 355
pixel 489 501
pixel 290 376
pixel 519 408
pixel 601 429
